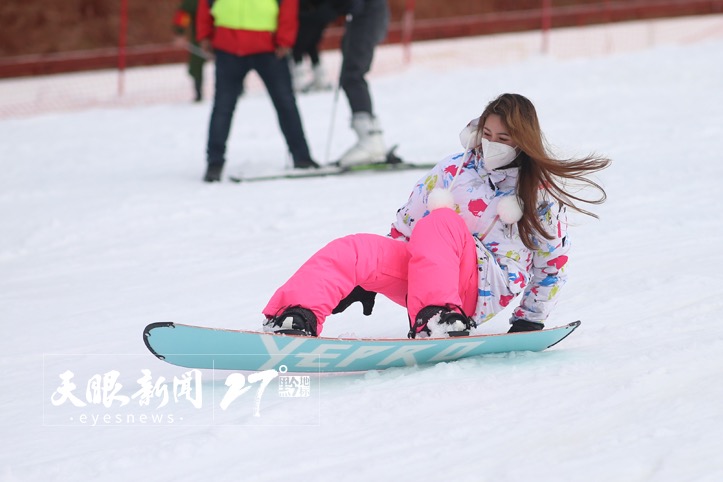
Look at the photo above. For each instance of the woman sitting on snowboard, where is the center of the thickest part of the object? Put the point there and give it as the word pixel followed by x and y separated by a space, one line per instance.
pixel 478 230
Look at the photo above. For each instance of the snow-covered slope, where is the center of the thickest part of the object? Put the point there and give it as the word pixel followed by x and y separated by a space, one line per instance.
pixel 105 227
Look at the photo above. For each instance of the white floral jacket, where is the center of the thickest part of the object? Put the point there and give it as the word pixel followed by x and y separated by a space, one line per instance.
pixel 506 266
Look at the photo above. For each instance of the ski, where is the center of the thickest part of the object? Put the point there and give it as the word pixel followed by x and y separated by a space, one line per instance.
pixel 289 174
pixel 387 167
pixel 392 164
pixel 313 87
pixel 223 349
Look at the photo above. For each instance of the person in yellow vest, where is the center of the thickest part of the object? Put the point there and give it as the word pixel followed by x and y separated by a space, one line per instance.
pixel 246 35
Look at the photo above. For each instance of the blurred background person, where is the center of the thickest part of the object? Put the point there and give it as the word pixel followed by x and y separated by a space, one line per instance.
pixel 184 28
pixel 314 17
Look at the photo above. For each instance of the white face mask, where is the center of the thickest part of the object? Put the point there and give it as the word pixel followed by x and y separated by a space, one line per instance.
pixel 496 154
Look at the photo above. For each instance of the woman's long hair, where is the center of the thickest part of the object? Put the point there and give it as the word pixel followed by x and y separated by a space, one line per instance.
pixel 538 169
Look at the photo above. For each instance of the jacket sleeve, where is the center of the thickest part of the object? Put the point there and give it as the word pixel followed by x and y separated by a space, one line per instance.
pixel 204 21
pixel 547 266
pixel 288 25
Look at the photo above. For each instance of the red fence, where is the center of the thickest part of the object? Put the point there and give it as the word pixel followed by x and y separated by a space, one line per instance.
pixel 548 16
pixel 404 30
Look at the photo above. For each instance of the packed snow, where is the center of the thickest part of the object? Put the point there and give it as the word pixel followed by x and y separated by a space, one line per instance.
pixel 106 227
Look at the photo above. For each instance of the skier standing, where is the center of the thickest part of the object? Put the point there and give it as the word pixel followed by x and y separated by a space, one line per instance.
pixel 314 17
pixel 251 35
pixel 366 27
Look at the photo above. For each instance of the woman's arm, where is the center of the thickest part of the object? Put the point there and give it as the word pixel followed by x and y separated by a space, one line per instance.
pixel 547 268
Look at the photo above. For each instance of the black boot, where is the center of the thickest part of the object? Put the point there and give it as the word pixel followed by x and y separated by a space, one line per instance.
pixel 453 323
pixel 197 87
pixel 306 164
pixel 292 321
pixel 213 173
pixel 524 325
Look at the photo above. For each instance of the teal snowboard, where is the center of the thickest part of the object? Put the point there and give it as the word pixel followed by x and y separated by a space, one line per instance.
pixel 199 347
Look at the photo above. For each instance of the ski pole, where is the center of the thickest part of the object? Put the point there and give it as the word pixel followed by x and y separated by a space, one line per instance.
pixel 197 51
pixel 331 125
pixel 335 101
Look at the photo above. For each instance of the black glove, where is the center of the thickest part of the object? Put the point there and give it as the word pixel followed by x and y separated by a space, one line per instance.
pixel 357 294
pixel 524 325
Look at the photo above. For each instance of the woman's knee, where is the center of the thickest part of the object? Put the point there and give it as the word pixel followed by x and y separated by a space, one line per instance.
pixel 442 219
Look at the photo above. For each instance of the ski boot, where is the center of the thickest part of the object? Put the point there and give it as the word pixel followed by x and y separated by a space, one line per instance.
pixel 318 81
pixel 306 164
pixel 370 147
pixel 213 173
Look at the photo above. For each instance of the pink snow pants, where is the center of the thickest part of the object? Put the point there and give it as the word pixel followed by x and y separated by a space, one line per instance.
pixel 438 266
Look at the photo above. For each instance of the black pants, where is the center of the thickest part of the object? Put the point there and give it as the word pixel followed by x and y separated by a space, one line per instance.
pixel 312 23
pixel 274 72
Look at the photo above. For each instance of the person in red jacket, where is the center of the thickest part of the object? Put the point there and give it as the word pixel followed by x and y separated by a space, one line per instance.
pixel 255 35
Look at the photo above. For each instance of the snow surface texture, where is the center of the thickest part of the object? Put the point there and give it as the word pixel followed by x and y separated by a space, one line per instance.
pixel 106 227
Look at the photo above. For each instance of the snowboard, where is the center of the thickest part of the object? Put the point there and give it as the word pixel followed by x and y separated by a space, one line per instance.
pixel 223 349
pixel 392 164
